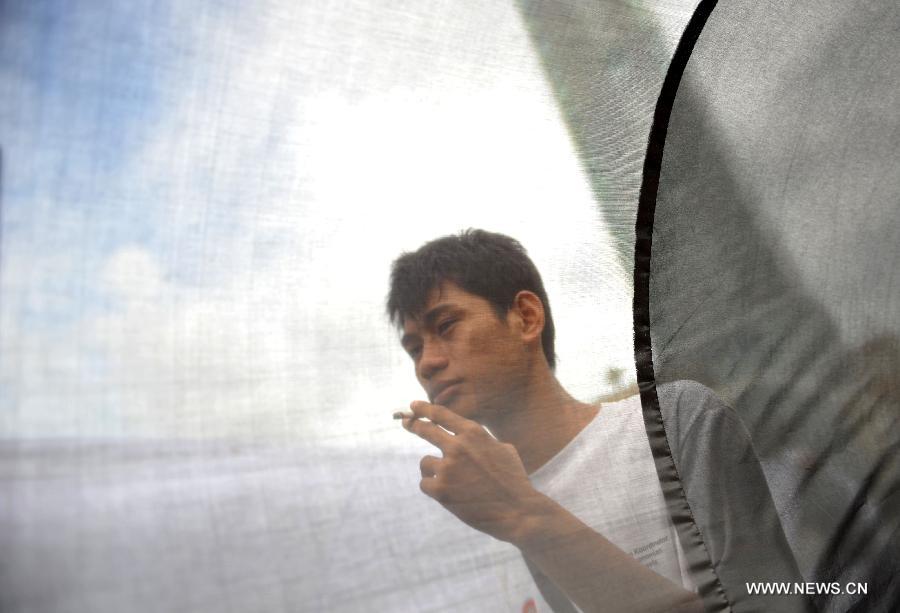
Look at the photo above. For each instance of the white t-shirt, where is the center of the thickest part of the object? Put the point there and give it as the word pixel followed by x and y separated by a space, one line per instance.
pixel 606 477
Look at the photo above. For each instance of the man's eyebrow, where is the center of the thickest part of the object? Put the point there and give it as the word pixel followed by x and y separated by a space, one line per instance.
pixel 435 312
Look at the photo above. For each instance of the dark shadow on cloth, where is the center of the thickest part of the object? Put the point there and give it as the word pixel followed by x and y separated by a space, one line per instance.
pixel 731 307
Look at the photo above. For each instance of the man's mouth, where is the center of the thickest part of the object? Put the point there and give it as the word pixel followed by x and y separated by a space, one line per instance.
pixel 444 392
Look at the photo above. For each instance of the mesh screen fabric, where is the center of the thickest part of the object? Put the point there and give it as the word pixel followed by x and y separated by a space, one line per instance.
pixel 189 193
pixel 771 276
pixel 164 377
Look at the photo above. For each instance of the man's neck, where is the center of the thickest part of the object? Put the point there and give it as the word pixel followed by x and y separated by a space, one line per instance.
pixel 544 421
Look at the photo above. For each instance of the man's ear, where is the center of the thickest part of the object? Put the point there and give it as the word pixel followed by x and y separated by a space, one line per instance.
pixel 529 311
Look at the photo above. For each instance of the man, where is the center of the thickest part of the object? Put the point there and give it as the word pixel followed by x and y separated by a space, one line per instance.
pixel 518 453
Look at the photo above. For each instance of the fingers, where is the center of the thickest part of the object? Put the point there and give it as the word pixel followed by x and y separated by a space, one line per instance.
pixel 443 417
pixel 430 488
pixel 429 466
pixel 432 433
pixel 442 425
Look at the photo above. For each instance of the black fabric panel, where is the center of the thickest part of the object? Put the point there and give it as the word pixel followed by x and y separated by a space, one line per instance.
pixel 773 277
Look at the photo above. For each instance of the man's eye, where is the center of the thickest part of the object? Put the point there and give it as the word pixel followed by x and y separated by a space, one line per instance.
pixel 445 326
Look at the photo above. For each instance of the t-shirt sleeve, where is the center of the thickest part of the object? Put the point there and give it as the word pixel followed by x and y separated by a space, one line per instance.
pixel 729 498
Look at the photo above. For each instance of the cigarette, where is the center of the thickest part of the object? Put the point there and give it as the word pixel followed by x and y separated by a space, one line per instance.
pixel 401 415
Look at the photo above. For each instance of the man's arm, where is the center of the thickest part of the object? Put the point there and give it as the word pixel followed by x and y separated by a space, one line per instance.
pixel 483 482
pixel 592 571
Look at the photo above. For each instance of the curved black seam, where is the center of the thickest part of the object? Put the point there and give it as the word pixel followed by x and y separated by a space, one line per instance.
pixel 643 352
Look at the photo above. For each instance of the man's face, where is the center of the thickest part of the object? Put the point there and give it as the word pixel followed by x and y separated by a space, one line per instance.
pixel 466 357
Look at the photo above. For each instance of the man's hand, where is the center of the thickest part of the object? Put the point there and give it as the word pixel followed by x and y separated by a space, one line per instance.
pixel 479 479
pixel 483 482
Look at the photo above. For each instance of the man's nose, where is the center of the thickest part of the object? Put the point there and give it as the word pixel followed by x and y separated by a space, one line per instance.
pixel 432 360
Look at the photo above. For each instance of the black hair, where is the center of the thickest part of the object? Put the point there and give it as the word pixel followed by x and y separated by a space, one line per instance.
pixel 493 266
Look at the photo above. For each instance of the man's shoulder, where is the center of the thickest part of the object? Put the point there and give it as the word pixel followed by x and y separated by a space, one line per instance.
pixel 689 406
pixel 686 391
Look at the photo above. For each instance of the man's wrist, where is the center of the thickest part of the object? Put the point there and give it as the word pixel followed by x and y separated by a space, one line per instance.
pixel 536 521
